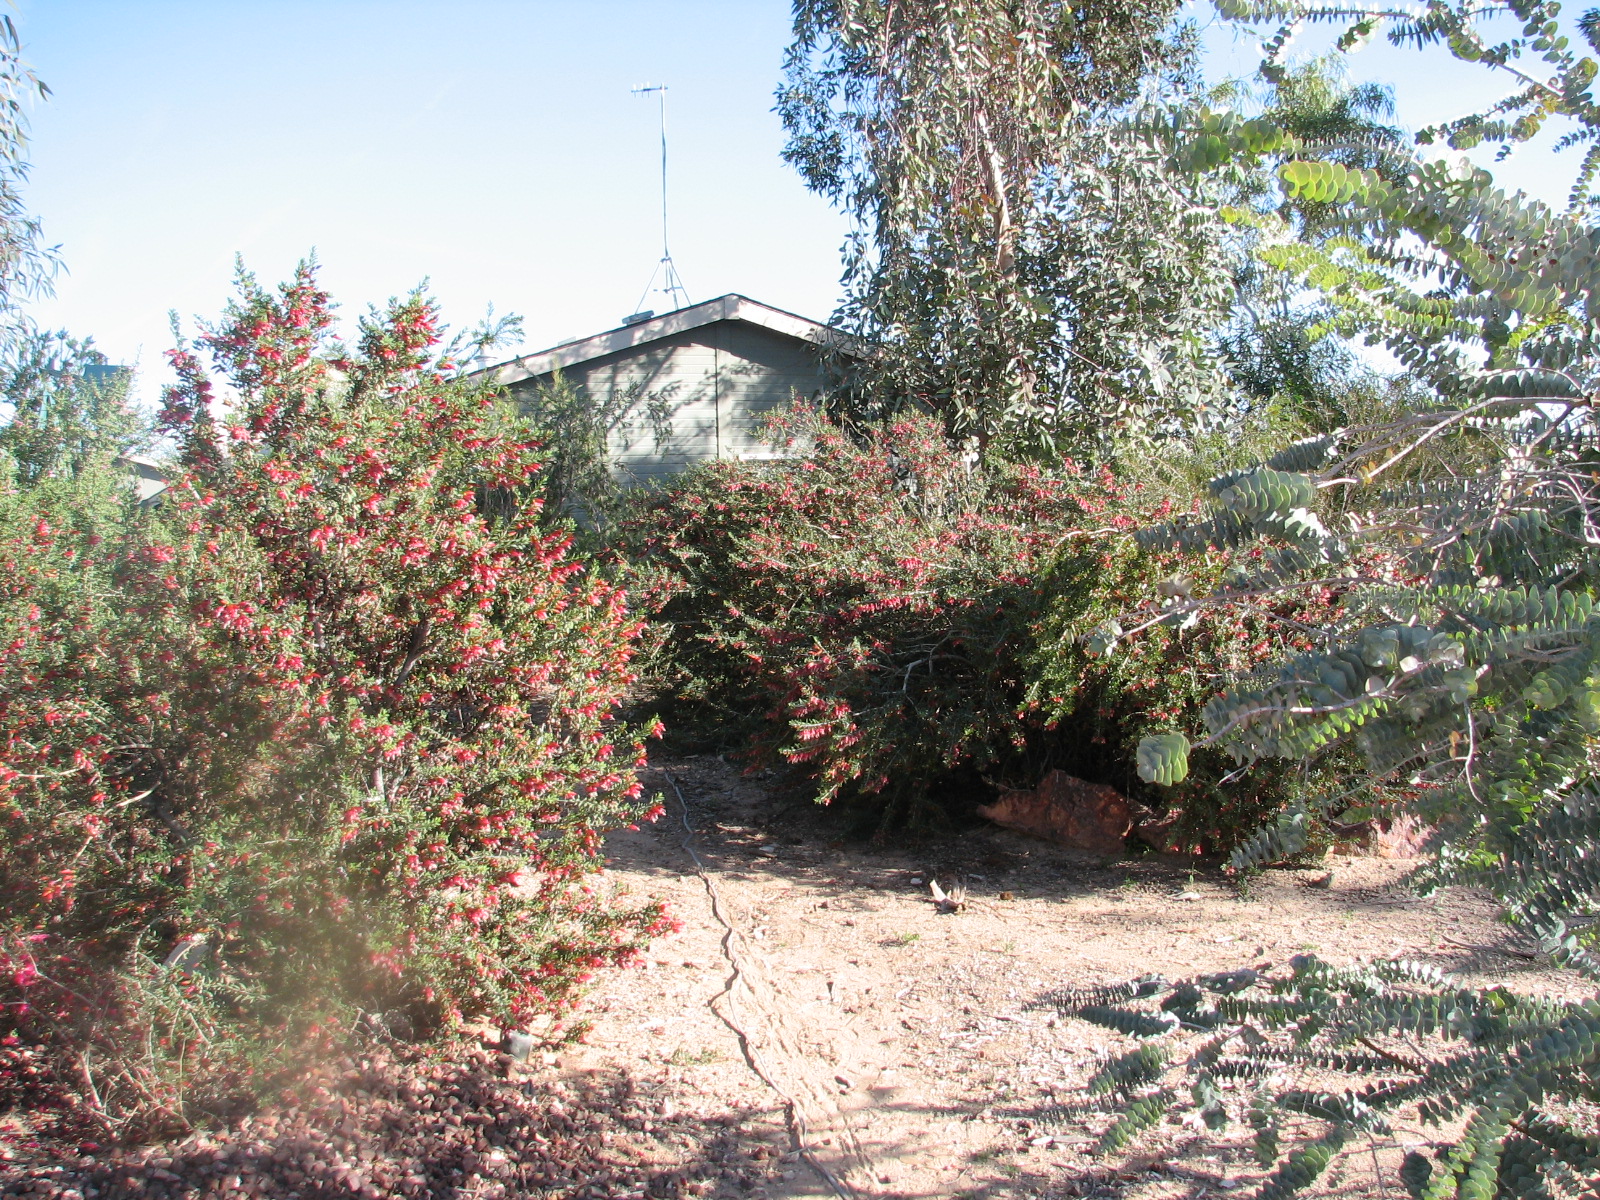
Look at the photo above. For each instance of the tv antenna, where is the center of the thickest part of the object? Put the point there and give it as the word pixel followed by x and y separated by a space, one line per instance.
pixel 666 271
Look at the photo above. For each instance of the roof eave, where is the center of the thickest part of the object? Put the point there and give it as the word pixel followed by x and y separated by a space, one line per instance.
pixel 732 307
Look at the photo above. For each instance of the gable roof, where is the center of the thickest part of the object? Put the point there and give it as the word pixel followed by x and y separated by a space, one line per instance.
pixel 149 477
pixel 732 307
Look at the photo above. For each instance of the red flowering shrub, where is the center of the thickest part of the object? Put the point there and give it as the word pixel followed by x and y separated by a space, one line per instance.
pixel 853 612
pixel 328 737
pixel 1103 704
pixel 884 620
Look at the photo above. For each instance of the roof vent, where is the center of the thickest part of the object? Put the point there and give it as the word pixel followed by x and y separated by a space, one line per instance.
pixel 639 317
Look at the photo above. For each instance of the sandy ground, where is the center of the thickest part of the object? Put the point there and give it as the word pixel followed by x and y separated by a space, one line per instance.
pixel 817 1004
pixel 819 1028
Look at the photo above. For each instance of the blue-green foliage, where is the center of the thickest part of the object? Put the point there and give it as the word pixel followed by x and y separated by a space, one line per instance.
pixel 1382 1038
pixel 1462 537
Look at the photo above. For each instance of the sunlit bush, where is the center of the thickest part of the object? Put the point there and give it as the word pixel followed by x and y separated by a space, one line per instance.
pixel 901 627
pixel 325 741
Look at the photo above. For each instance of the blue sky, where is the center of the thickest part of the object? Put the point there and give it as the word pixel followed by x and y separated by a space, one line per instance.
pixel 491 146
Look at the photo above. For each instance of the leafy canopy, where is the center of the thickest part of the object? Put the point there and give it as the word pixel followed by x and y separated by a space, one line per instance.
pixel 1462 660
pixel 1030 270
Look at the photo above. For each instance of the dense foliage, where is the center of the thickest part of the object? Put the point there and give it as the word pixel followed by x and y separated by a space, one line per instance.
pixel 578 481
pixel 1027 267
pixel 892 626
pixel 855 613
pixel 326 741
pixel 1461 660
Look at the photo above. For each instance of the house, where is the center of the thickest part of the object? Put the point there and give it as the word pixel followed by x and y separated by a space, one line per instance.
pixel 692 384
pixel 147 477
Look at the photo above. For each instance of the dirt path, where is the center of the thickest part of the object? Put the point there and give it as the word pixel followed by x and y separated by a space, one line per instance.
pixel 817 1028
pixel 853 1041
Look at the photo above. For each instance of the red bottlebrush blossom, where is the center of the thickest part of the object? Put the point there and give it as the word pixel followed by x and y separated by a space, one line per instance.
pixel 880 615
pixel 295 731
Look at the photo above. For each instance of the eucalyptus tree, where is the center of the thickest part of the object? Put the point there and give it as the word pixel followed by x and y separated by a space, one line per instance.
pixel 26 264
pixel 1029 265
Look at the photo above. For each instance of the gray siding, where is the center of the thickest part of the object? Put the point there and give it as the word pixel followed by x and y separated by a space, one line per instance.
pixel 759 370
pixel 700 394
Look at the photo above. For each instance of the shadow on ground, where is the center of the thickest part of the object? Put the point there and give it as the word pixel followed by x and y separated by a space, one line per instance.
pixel 476 1126
pixel 470 1126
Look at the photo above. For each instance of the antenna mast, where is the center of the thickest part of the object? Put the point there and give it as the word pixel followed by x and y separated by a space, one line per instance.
pixel 671 284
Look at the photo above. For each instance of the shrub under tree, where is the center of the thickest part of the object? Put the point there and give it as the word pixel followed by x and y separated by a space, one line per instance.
pixel 894 627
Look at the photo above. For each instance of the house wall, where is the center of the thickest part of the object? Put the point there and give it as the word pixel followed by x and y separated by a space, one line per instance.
pixel 695 395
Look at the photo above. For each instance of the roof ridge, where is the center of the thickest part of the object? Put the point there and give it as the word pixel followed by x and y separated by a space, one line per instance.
pixel 730 306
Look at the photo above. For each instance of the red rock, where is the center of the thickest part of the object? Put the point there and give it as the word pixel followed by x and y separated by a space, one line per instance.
pixel 1067 810
pixel 1385 837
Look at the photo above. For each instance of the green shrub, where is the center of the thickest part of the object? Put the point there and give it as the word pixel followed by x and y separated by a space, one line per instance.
pixel 887 622
pixel 322 743
pixel 576 482
pixel 1104 695
pixel 849 614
